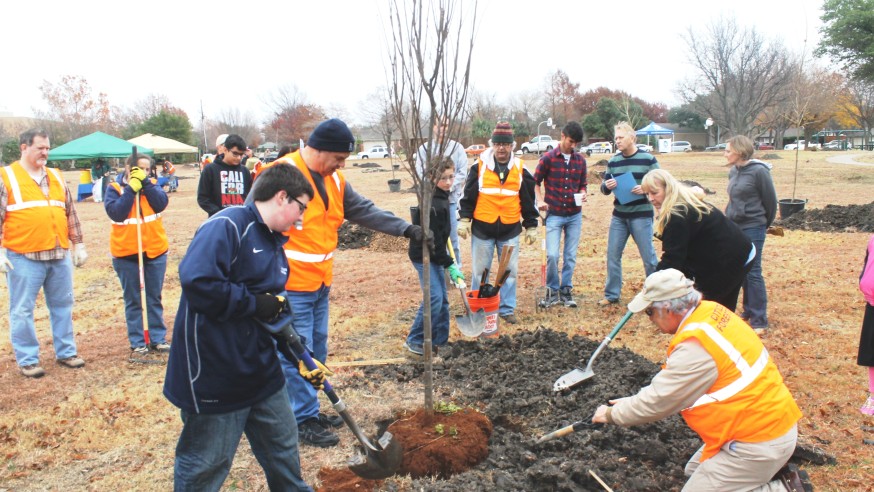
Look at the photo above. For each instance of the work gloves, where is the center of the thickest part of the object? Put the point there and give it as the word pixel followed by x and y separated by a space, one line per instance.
pixel 268 307
pixel 136 179
pixel 463 228
pixel 79 255
pixel 317 376
pixel 417 234
pixel 530 235
pixel 775 231
pixel 457 277
pixel 5 264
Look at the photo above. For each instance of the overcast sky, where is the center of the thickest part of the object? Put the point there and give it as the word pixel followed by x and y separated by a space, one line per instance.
pixel 233 54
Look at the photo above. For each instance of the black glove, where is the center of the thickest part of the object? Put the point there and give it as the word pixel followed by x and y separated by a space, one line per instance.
pixel 268 306
pixel 283 347
pixel 416 233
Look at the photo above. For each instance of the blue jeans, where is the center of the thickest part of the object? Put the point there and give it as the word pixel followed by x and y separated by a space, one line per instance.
pixel 620 228
pixel 208 443
pixel 572 227
pixel 129 275
pixel 755 300
pixel 310 322
pixel 439 309
pixel 453 232
pixel 25 279
pixel 482 252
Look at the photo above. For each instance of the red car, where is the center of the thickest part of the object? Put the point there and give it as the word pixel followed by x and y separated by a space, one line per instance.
pixel 766 147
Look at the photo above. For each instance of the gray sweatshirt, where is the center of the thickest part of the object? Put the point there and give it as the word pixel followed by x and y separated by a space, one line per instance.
pixel 752 200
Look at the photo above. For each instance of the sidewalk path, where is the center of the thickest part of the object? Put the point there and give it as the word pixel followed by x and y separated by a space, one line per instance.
pixel 849 160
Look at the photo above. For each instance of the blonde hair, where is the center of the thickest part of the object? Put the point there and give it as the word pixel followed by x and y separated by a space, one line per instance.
pixel 679 198
pixel 626 129
pixel 742 145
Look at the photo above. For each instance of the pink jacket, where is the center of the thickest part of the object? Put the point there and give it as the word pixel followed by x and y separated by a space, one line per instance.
pixel 866 280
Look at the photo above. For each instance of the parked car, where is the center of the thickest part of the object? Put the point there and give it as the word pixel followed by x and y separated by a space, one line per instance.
pixel 716 148
pixel 644 147
pixel 837 145
pixel 795 145
pixel 475 150
pixel 375 152
pixel 681 146
pixel 765 147
pixel 271 156
pixel 598 148
pixel 540 143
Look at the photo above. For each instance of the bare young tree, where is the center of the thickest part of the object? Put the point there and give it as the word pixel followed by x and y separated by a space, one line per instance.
pixel 739 75
pixel 429 58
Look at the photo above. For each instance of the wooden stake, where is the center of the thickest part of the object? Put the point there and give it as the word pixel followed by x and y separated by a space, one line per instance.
pixel 608 489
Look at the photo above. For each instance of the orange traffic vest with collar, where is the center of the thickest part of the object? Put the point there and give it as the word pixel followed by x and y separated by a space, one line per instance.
pixel 748 402
pixel 310 249
pixel 498 200
pixel 123 237
pixel 34 222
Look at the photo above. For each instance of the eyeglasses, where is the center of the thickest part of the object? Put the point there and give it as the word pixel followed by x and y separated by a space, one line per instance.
pixel 303 208
pixel 502 144
pixel 237 154
pixel 649 311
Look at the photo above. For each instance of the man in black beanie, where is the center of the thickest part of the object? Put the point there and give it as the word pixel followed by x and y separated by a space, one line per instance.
pixel 310 249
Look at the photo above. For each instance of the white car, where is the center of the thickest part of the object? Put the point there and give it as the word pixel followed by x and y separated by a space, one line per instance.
pixel 598 148
pixel 644 147
pixel 376 152
pixel 681 146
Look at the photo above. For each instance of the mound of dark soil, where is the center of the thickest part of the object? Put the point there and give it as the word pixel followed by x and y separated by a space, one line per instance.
pixel 510 380
pixel 353 236
pixel 833 218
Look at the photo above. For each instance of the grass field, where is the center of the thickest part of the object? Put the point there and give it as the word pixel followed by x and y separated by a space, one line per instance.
pixel 108 427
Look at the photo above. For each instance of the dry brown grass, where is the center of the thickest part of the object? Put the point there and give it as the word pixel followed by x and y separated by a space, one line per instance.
pixel 108 426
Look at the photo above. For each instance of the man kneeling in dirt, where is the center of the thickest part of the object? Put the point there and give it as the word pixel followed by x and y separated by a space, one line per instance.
pixel 719 376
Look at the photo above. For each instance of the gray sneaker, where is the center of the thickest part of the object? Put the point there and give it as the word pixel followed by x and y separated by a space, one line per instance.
pixel 162 347
pixel 313 433
pixel 550 300
pixel 32 371
pixel 73 362
pixel 567 297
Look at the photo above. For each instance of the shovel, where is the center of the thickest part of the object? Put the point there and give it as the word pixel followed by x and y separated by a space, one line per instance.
pixel 381 460
pixel 473 323
pixel 575 427
pixel 578 375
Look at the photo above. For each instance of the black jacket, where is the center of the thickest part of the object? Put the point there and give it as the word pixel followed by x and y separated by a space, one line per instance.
pixel 439 225
pixel 222 185
pixel 705 249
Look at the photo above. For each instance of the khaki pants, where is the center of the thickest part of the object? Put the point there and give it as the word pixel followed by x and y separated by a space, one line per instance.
pixel 742 466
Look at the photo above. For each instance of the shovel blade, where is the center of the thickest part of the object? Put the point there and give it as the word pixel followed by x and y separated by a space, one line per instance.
pixel 572 379
pixel 473 325
pixel 377 464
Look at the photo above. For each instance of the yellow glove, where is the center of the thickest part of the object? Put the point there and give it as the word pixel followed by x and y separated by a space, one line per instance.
pixel 137 176
pixel 531 235
pixel 463 228
pixel 317 376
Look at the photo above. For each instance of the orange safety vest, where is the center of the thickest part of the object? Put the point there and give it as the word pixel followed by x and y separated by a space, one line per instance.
pixel 748 402
pixel 310 250
pixel 34 222
pixel 496 200
pixel 123 236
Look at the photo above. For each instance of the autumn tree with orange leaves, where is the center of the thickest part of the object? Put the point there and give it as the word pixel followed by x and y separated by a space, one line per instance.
pixel 72 110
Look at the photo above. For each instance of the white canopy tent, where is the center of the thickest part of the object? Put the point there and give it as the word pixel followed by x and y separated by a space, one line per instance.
pixel 163 145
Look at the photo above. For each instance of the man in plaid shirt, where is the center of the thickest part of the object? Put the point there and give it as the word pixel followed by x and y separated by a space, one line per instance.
pixel 564 173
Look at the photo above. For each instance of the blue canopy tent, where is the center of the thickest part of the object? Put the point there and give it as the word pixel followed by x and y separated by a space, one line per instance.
pixel 653 129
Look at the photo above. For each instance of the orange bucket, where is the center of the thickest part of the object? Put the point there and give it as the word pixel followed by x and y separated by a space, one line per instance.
pixel 490 306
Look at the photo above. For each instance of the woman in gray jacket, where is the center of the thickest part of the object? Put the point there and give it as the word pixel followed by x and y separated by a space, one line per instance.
pixel 752 205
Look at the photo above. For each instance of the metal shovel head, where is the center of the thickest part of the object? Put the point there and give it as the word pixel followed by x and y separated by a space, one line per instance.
pixel 572 379
pixel 473 325
pixel 377 464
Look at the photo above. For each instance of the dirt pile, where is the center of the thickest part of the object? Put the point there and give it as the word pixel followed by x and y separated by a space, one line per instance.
pixel 833 218
pixel 353 236
pixel 510 380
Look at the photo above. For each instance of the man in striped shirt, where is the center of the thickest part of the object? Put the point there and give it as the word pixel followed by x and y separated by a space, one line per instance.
pixel 563 172
pixel 633 218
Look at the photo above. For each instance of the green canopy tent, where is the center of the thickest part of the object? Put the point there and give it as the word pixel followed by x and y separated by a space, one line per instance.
pixel 98 144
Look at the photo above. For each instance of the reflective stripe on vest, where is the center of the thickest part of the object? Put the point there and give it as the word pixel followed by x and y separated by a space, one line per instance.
pixel 307 257
pixel 147 218
pixel 748 373
pixel 20 204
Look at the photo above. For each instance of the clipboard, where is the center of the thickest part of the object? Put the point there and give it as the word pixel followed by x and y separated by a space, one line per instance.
pixel 624 183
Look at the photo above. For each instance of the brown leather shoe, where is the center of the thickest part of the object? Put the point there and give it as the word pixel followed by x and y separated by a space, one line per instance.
pixel 795 479
pixel 73 362
pixel 32 371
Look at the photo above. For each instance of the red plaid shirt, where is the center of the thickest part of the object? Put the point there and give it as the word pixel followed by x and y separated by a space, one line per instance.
pixel 562 178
